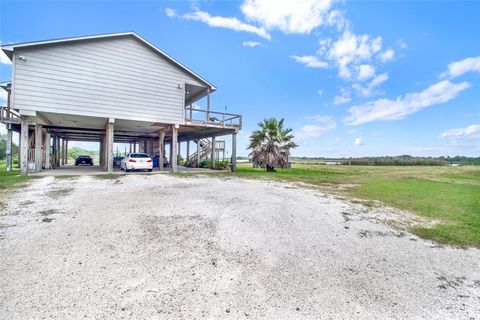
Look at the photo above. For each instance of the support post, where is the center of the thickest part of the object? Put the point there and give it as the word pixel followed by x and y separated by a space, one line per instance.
pixel 105 147
pixel 66 152
pixel 174 150
pixel 161 149
pixel 46 146
pixel 213 152
pixel 234 151
pixel 23 147
pixel 38 147
pixel 9 147
pixel 199 149
pixel 130 145
pixel 109 132
pixel 207 114
pixel 170 155
pixel 100 153
pixel 54 150
pixel 179 149
pixel 188 149
pixel 62 147
pixel 57 151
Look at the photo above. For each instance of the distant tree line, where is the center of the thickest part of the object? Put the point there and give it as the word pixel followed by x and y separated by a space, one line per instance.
pixel 74 152
pixel 403 160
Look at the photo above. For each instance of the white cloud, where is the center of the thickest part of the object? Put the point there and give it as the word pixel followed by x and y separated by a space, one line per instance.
pixel 350 49
pixel 469 132
pixel 386 109
pixel 358 141
pixel 365 72
pixel 312 131
pixel 458 68
pixel 322 119
pixel 170 12
pixel 336 18
pixel 227 23
pixel 288 16
pixel 387 55
pixel 310 61
pixel 251 44
pixel 402 44
pixel 368 90
pixel 4 59
pixel 319 92
pixel 342 98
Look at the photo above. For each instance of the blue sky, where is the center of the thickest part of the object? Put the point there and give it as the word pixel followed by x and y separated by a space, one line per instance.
pixel 360 78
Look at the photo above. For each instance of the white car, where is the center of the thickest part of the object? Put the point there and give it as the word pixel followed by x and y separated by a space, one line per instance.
pixel 137 161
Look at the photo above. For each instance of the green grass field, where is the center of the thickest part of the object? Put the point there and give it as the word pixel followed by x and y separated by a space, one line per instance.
pixel 449 194
pixel 10 179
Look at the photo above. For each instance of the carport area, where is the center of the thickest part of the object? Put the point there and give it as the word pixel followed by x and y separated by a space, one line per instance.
pixel 45 139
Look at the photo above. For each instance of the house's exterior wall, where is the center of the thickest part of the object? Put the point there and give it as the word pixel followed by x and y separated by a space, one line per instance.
pixel 112 78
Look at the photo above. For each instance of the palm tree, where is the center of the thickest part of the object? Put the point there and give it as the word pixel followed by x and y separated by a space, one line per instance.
pixel 271 144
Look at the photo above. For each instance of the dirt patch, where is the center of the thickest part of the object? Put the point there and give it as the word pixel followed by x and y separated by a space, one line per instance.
pixel 369 234
pixel 3 205
pixel 48 212
pixel 47 220
pixel 60 192
pixel 27 203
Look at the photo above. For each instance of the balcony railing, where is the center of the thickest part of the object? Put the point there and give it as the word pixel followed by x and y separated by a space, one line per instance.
pixel 8 115
pixel 212 118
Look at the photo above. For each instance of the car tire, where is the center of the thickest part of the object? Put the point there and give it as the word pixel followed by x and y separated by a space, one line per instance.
pixel 149 170
pixel 126 170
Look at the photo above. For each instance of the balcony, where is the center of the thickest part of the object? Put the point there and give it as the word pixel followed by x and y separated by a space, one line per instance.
pixel 8 115
pixel 209 118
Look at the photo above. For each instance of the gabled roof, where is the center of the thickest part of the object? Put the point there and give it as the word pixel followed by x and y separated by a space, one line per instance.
pixel 9 48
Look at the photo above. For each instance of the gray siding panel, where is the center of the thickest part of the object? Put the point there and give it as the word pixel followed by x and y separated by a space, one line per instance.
pixel 112 78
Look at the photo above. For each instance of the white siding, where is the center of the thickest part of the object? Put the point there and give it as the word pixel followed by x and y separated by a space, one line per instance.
pixel 113 78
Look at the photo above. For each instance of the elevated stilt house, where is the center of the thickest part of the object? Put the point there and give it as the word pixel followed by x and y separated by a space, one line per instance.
pixel 108 88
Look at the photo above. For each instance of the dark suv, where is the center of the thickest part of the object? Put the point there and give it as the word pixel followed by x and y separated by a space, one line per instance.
pixel 84 160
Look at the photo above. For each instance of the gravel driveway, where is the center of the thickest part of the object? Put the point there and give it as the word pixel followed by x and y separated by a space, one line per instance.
pixel 166 247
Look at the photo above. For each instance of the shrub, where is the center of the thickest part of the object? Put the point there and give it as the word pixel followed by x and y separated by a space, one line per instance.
pixel 205 164
pixel 190 163
pixel 222 165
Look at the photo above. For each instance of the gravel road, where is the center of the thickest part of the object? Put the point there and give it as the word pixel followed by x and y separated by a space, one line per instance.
pixel 167 247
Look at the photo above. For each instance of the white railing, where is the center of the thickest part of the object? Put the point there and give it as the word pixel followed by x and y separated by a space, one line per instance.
pixel 213 118
pixel 8 115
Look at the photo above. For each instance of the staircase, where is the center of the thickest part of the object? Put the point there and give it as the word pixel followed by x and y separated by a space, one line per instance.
pixel 205 148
